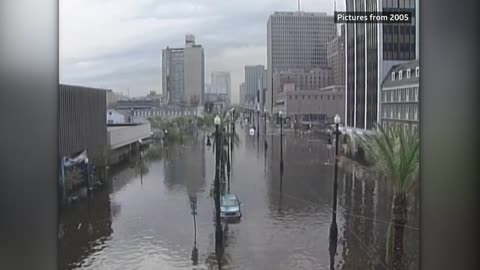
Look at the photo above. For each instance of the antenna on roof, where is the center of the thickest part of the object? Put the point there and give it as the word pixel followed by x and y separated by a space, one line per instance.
pixel 298 5
pixel 334 6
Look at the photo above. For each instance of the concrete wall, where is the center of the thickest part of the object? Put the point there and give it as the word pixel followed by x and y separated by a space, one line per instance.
pixel 119 136
pixel 82 122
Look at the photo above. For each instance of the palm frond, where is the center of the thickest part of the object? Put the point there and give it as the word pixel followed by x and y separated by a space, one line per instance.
pixel 395 152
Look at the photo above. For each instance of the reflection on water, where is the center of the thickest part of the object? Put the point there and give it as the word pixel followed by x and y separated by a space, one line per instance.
pixel 162 217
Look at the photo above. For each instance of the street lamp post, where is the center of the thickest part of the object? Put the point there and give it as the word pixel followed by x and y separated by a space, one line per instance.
pixel 281 141
pixel 218 229
pixel 227 143
pixel 233 132
pixel 337 120
pixel 166 137
pixel 258 122
pixel 333 226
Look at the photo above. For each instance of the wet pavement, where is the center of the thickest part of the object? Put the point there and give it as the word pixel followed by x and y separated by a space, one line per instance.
pixel 143 219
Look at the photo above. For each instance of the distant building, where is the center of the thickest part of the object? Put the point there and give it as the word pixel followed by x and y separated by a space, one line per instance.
pixel 400 97
pixel 116 117
pixel 173 75
pixel 139 110
pixel 243 93
pixel 255 82
pixel 318 106
pixel 153 95
pixel 82 124
pixel 221 85
pixel 183 73
pixel 314 79
pixel 296 41
pixel 194 72
pixel 336 58
pixel 113 97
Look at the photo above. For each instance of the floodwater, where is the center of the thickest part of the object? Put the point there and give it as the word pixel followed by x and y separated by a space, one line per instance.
pixel 144 219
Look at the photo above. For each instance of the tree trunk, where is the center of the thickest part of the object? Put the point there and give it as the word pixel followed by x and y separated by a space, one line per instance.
pixel 399 219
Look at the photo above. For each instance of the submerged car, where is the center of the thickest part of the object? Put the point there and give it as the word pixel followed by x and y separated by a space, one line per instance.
pixel 230 207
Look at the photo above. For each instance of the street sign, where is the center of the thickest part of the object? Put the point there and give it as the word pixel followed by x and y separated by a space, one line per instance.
pixel 252 131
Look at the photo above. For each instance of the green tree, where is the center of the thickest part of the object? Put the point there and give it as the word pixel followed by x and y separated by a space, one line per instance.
pixel 395 153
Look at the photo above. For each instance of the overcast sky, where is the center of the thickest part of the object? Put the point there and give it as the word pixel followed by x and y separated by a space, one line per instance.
pixel 118 43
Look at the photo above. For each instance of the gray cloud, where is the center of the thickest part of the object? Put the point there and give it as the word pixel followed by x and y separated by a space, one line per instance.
pixel 118 43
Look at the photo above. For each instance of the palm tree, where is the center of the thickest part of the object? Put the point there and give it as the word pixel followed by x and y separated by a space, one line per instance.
pixel 395 153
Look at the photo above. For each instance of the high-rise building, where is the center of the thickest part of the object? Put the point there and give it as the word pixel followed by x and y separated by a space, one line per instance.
pixel 194 72
pixel 221 85
pixel 255 82
pixel 296 41
pixel 172 75
pixel 336 58
pixel 183 73
pixel 371 50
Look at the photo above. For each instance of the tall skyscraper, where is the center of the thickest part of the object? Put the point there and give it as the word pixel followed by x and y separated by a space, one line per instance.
pixel 183 73
pixel 371 50
pixel 221 84
pixel 255 82
pixel 296 41
pixel 194 72
pixel 172 75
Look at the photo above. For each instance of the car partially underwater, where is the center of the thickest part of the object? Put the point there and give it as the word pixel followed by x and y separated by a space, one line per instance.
pixel 230 207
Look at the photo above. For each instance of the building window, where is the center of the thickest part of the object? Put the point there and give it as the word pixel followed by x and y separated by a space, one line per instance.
pixel 417 71
pixel 416 93
pixel 405 127
pixel 393 76
pixel 400 74
pixel 408 73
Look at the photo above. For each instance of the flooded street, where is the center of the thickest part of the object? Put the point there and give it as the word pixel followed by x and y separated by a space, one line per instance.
pixel 144 218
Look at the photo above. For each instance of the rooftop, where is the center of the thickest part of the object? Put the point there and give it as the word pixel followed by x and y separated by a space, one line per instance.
pixel 412 65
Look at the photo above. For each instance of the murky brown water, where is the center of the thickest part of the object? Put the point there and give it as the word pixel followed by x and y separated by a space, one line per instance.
pixel 144 221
